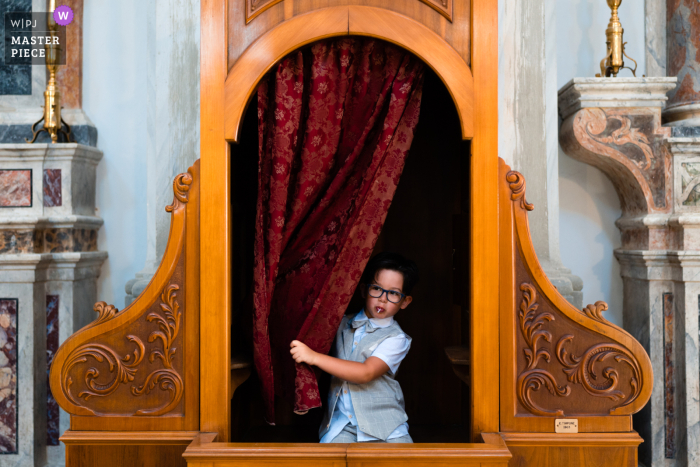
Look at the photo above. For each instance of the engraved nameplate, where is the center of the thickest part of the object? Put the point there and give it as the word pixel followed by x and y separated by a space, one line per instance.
pixel 566 425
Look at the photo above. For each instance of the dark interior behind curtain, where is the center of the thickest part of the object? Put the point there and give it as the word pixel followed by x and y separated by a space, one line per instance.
pixel 335 123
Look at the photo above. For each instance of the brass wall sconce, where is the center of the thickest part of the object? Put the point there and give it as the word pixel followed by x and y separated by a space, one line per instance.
pixel 53 123
pixel 614 62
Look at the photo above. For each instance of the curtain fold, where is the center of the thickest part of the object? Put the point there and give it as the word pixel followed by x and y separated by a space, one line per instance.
pixel 335 123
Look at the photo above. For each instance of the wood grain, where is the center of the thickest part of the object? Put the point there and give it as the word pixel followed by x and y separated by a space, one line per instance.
pixel 102 374
pixel 215 248
pixel 456 33
pixel 118 449
pixel 573 450
pixel 242 80
pixel 484 220
pixel 429 47
pixel 519 265
pixel 492 452
pixel 255 62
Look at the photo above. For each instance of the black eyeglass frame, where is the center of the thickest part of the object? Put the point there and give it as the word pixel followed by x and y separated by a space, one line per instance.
pixel 369 286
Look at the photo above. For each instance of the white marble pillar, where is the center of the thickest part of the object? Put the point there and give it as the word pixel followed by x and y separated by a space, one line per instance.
pixel 655 37
pixel 615 124
pixel 48 253
pixel 528 124
pixel 172 118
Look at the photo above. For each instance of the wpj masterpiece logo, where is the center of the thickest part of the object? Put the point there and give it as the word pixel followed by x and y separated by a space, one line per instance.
pixel 29 39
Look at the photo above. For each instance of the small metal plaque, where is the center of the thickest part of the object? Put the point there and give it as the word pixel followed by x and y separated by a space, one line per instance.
pixel 566 425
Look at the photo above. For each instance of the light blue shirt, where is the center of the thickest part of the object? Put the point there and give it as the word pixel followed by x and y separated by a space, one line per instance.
pixel 391 351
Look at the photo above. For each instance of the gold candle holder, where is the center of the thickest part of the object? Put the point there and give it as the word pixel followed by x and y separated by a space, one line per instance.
pixel 614 62
pixel 53 123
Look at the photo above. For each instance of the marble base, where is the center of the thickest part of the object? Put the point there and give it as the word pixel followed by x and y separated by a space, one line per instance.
pixel 49 263
pixel 567 284
pixel 16 134
pixel 669 423
pixel 16 125
pixel 72 277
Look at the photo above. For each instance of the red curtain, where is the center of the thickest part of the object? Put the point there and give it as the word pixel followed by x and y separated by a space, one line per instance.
pixel 335 122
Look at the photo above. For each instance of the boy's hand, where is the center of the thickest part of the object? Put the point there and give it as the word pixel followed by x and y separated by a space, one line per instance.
pixel 301 353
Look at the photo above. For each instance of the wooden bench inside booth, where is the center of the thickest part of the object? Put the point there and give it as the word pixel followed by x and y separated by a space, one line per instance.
pixel 169 380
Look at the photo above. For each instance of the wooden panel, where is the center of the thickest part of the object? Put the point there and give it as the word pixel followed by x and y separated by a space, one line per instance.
pixel 118 449
pixel 557 361
pixel 492 452
pixel 241 82
pixel 573 450
pixel 484 219
pixel 431 13
pixel 278 454
pixel 215 348
pixel 243 77
pixel 128 370
pixel 431 48
pixel 120 456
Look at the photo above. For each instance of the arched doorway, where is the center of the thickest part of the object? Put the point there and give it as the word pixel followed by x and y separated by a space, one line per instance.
pixel 225 93
pixel 428 222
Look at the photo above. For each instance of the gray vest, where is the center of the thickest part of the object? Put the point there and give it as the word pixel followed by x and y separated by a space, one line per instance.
pixel 379 404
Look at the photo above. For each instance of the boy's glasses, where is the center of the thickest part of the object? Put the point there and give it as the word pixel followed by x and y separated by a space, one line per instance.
pixel 393 296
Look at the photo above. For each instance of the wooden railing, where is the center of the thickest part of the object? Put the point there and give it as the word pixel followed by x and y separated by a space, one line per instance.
pixel 205 452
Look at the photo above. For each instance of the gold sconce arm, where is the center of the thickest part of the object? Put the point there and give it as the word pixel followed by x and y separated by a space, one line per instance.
pixel 613 62
pixel 53 122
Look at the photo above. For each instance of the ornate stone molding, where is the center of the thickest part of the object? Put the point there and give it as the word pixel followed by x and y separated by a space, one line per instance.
pixel 581 93
pixel 628 144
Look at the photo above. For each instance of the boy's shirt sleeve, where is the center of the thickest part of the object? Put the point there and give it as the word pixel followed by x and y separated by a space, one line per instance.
pixel 392 351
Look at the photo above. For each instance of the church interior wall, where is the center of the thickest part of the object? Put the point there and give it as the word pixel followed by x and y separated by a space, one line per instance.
pixel 115 97
pixel 588 202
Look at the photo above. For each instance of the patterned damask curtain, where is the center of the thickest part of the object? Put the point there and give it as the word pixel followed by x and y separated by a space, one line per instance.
pixel 335 122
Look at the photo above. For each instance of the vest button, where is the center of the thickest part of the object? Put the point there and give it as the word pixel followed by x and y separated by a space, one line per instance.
pixel 350 416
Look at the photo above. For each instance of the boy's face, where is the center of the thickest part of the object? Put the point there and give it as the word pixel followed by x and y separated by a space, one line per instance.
pixel 381 307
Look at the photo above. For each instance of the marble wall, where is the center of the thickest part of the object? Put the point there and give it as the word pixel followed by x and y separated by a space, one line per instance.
pixel 8 375
pixel 588 203
pixel 14 79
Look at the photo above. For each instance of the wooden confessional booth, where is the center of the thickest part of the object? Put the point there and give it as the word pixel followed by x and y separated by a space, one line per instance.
pixel 500 364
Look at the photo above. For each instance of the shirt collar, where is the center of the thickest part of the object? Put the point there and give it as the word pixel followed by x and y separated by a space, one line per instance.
pixel 377 323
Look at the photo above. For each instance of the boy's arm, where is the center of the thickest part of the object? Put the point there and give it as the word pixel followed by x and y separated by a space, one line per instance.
pixel 353 372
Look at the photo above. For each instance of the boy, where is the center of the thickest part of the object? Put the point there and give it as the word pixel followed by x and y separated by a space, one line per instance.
pixel 365 402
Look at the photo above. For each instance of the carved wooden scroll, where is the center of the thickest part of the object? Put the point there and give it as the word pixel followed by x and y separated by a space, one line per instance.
pixel 142 362
pixel 444 7
pixel 557 361
pixel 255 7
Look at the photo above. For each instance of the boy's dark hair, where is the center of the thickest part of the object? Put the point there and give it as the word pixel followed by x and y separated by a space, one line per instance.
pixel 393 262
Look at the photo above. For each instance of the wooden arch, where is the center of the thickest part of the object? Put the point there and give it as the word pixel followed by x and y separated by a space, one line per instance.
pixel 244 76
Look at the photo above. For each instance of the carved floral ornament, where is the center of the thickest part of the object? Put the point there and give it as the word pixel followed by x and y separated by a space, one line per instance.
pixel 582 370
pixel 124 370
pixel 255 7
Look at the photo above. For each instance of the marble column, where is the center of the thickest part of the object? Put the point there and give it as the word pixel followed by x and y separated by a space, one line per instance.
pixel 528 125
pixel 615 124
pixel 49 266
pixel 655 37
pixel 172 118
pixel 683 46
